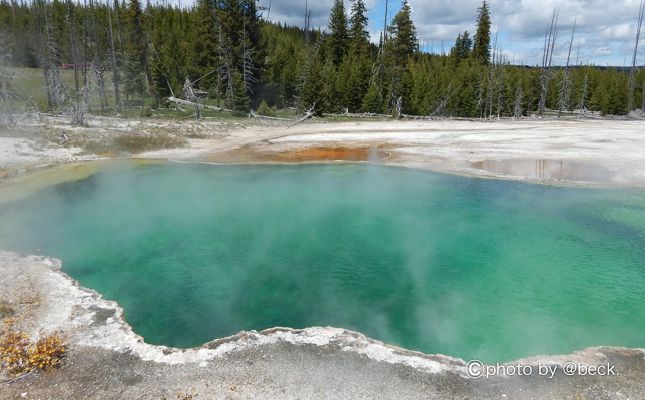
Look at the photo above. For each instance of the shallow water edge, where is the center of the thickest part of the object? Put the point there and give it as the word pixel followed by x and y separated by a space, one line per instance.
pixel 287 363
pixel 34 179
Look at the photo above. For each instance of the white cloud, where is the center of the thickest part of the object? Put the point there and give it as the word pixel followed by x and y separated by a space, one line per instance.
pixel 605 30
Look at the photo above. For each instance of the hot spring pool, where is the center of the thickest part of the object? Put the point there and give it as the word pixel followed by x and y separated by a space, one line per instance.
pixel 472 268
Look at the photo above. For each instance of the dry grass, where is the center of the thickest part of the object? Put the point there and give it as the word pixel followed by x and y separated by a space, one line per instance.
pixel 19 355
pixel 5 309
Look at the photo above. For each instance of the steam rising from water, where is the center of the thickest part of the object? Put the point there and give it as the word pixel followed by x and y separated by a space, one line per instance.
pixel 442 264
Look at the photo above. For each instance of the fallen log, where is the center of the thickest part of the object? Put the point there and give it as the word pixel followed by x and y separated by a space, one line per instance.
pixel 192 104
pixel 254 115
pixel 308 114
pixel 419 117
pixel 359 115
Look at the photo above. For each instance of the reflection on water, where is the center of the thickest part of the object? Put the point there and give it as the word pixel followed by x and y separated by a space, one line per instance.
pixel 547 170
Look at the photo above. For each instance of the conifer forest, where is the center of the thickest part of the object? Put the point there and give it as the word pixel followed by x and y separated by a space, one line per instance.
pixel 223 55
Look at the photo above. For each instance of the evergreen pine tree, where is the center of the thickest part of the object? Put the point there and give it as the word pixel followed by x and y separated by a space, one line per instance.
pixel 372 101
pixel 313 89
pixel 167 44
pixel 462 48
pixel 481 48
pixel 240 102
pixel 358 26
pixel 338 36
pixel 356 70
pixel 231 19
pixel 203 55
pixel 404 40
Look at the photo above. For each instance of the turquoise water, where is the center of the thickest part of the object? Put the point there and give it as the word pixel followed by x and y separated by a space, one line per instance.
pixel 442 264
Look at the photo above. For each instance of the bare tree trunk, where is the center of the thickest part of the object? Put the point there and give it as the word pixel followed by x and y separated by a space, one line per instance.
pixel 247 61
pixel 115 72
pixel 547 58
pixel 517 110
pixel 500 94
pixel 582 106
pixel 308 114
pixel 385 24
pixel 306 23
pixel 98 66
pixel 43 61
pixel 480 97
pixel 490 94
pixel 73 47
pixel 148 72
pixel 120 40
pixel 85 77
pixel 643 94
pixel 397 107
pixel 304 77
pixel 632 71
pixel 565 89
pixel 56 91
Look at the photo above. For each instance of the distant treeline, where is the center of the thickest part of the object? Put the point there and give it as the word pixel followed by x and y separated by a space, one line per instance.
pixel 223 49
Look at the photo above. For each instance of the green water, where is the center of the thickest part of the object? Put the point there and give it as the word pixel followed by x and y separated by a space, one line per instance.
pixel 442 264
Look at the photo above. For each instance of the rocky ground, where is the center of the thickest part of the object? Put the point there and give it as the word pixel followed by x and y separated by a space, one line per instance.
pixel 107 360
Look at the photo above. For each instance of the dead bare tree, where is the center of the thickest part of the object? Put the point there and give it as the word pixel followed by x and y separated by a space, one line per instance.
pixel 49 59
pixel 500 93
pixel 7 94
pixel 565 89
pixel 85 45
pixel 115 72
pixel 582 105
pixel 73 47
pixel 312 56
pixel 226 68
pixel 385 24
pixel 307 22
pixel 480 95
pixel 248 77
pixel 378 67
pixel 97 64
pixel 517 109
pixel 643 93
pixel 308 114
pixel 189 94
pixel 89 95
pixel 550 38
pixel 120 36
pixel 398 105
pixel 632 71
pixel 492 77
pixel 441 107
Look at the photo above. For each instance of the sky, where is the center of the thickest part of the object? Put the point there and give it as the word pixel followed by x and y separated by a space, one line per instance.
pixel 605 30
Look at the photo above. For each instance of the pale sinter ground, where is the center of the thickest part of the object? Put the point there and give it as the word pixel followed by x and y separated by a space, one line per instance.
pixel 588 151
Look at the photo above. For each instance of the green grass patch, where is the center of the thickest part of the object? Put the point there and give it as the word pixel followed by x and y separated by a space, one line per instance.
pixel 133 144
